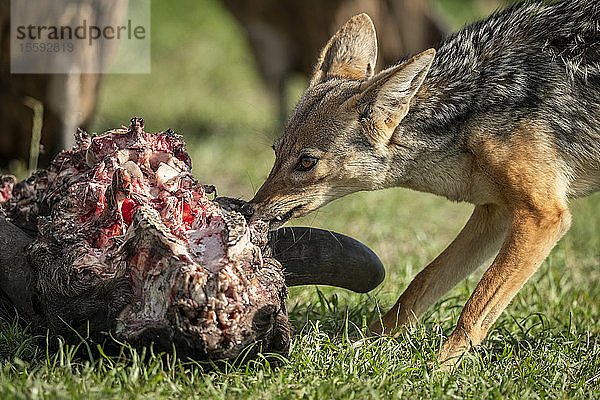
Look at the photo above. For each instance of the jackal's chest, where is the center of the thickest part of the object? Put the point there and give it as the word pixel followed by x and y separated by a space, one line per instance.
pixel 458 179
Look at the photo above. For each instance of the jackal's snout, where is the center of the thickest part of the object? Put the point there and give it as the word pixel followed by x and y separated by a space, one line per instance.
pixel 273 205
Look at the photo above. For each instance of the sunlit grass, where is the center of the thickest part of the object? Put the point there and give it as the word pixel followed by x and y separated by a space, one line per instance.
pixel 203 85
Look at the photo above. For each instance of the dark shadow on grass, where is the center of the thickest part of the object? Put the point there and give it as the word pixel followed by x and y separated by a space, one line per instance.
pixel 334 316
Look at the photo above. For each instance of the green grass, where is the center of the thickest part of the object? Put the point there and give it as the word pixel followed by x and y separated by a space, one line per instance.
pixel 203 85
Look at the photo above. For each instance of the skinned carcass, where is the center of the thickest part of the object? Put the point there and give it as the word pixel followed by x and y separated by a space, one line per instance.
pixel 116 236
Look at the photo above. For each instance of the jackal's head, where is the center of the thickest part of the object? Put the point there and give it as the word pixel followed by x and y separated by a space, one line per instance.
pixel 340 137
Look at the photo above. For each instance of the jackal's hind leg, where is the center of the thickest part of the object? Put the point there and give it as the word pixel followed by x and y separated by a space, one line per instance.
pixel 478 241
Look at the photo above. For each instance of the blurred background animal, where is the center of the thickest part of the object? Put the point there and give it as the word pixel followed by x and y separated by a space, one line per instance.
pixel 68 100
pixel 285 35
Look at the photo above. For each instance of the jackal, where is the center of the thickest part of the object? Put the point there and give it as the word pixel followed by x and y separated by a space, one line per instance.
pixel 505 115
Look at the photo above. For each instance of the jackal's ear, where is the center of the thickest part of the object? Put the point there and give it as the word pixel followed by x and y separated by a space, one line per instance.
pixel 351 53
pixel 386 97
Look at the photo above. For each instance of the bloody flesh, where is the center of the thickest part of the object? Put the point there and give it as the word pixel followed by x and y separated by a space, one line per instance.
pixel 128 241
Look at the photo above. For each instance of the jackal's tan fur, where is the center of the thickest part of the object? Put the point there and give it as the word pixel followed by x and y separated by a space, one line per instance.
pixel 506 116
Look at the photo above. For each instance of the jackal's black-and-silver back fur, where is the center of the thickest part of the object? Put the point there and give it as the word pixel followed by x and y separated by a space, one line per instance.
pixel 533 60
pixel 506 115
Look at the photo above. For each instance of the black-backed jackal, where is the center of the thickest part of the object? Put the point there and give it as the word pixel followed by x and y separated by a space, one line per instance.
pixel 504 115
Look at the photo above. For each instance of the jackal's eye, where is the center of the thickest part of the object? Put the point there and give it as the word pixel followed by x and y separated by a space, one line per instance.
pixel 306 163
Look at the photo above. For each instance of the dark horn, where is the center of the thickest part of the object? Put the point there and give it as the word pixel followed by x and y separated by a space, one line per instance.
pixel 16 275
pixel 313 256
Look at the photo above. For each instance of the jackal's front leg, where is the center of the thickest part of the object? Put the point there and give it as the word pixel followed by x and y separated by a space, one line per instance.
pixel 479 240
pixel 533 233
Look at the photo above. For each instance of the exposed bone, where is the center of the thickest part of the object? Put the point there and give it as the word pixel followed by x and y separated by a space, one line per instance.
pixel 133 169
pixel 165 176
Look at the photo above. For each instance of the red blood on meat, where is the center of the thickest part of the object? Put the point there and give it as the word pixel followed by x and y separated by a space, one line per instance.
pixel 187 216
pixel 127 209
pixel 6 188
pixel 137 187
pixel 95 211
pixel 106 233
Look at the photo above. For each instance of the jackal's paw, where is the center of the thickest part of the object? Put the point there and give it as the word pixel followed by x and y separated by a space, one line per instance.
pixel 450 355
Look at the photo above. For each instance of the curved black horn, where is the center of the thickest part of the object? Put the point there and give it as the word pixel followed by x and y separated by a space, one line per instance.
pixel 313 256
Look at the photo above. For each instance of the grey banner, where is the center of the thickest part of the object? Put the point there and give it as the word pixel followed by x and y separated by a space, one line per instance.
pixel 80 36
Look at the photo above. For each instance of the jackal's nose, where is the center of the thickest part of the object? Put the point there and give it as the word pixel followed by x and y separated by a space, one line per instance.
pixel 259 210
pixel 258 213
pixel 247 210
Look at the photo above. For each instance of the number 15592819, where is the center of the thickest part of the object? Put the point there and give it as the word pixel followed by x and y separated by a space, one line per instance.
pixel 46 47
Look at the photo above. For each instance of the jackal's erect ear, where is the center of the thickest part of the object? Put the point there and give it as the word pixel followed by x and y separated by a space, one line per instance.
pixel 351 53
pixel 386 98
